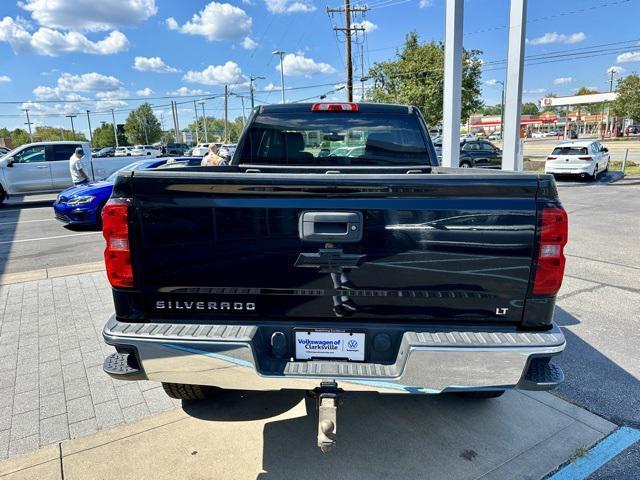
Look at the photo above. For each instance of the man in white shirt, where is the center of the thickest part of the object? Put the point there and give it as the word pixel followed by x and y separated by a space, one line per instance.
pixel 77 167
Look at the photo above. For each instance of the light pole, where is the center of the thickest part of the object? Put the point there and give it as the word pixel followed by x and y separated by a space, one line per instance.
pixel 89 122
pixel 501 108
pixel 73 130
pixel 251 79
pixel 115 128
pixel 281 53
pixel 204 122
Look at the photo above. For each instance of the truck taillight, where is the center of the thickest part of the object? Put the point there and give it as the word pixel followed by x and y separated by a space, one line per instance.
pixel 335 107
pixel 117 255
pixel 550 263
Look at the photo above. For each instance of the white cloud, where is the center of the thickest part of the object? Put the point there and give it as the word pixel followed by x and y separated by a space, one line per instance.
pixel 562 80
pixel 491 81
pixel 89 15
pixel 628 57
pixel 184 91
pixel 535 91
pixel 4 78
pixel 152 64
pixel 367 25
pixel 68 87
pixel 217 21
pixel 615 69
pixel 426 3
pixel 554 37
pixel 227 74
pixel 249 43
pixel 145 92
pixel 46 41
pixel 297 65
pixel 271 87
pixel 289 6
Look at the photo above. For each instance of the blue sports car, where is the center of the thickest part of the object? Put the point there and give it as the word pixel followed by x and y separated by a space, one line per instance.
pixel 82 204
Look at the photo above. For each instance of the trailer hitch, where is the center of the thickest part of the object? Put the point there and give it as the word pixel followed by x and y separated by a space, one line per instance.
pixel 328 396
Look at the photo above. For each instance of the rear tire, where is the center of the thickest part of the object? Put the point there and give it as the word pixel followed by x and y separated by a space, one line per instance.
pixel 183 391
pixel 3 195
pixel 483 394
pixel 465 165
pixel 594 177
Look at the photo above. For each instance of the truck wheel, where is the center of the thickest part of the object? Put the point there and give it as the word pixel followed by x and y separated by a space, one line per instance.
pixel 3 195
pixel 465 165
pixel 184 391
pixel 481 394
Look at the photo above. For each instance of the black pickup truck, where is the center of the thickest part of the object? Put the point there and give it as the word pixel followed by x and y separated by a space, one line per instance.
pixel 332 255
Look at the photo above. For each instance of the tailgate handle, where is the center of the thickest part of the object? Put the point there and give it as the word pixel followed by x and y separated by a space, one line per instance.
pixel 342 227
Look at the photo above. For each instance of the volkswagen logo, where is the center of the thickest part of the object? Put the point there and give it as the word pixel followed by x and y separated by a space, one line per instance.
pixel 352 344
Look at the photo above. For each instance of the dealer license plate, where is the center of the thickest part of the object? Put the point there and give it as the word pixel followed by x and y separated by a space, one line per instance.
pixel 329 344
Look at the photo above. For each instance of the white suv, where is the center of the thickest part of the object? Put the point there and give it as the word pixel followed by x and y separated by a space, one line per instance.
pixel 145 150
pixel 200 150
pixel 586 158
pixel 123 152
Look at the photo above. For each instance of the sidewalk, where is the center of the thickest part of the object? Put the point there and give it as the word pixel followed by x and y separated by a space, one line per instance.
pixel 52 386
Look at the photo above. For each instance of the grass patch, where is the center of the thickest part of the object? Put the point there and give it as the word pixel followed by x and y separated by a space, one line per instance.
pixel 632 168
pixel 578 453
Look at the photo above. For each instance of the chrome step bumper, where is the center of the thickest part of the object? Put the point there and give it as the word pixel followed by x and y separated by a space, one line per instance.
pixel 431 360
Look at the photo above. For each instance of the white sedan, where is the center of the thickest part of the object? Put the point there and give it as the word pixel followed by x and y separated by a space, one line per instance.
pixel 200 150
pixel 145 150
pixel 585 158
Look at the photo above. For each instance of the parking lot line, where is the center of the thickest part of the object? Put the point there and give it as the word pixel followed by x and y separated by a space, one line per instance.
pixel 49 238
pixel 599 455
pixel 29 221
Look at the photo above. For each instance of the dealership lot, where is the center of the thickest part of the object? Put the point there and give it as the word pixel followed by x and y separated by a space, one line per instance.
pixel 50 333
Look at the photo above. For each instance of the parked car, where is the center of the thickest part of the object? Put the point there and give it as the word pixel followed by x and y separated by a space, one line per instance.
pixel 122 152
pixel 389 274
pixel 200 150
pixel 43 167
pixel 175 149
pixel 479 154
pixel 176 162
pixel 82 204
pixel 585 158
pixel 552 133
pixel 145 150
pixel 633 130
pixel 538 134
pixel 4 151
pixel 227 150
pixel 495 136
pixel 105 152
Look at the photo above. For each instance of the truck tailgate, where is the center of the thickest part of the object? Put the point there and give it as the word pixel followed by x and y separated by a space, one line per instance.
pixel 436 248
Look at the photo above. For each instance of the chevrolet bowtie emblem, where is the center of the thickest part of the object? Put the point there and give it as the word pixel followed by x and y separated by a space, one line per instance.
pixel 329 260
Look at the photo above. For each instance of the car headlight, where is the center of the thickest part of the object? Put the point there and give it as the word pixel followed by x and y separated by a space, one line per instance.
pixel 81 200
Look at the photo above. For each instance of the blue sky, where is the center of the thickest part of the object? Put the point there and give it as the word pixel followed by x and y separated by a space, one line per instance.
pixel 101 51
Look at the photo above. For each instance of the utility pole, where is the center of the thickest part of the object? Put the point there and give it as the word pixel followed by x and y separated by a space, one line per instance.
pixel 362 79
pixel 611 74
pixel 244 117
pixel 73 131
pixel 115 128
pixel 89 123
pixel 176 127
pixel 281 53
pixel 29 123
pixel 195 109
pixel 204 122
pixel 501 109
pixel 226 112
pixel 348 31
pixel 251 80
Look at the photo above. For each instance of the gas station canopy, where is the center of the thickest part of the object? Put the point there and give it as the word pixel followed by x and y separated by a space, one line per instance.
pixel 578 99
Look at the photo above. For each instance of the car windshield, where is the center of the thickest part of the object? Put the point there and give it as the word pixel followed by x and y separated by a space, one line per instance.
pixel 352 138
pixel 132 166
pixel 569 151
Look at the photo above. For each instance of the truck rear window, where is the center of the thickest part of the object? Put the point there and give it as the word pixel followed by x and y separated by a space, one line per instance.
pixel 334 138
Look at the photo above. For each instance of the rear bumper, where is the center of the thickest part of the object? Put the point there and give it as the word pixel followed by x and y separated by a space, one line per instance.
pixel 563 169
pixel 431 360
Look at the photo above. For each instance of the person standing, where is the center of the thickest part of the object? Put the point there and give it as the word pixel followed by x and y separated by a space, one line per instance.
pixel 77 167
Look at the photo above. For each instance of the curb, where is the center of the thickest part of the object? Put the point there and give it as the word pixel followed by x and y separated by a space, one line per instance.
pixel 53 272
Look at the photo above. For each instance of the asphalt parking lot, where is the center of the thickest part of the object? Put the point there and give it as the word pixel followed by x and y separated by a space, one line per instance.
pixel 598 309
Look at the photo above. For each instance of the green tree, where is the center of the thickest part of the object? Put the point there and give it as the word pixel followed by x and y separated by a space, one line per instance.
pixel 416 76
pixel 215 129
pixel 592 109
pixel 627 104
pixel 142 126
pixel 19 137
pixel 46 134
pixel 103 137
pixel 5 133
pixel 529 108
pixel 491 110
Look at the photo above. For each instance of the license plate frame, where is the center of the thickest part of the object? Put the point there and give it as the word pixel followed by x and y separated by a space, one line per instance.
pixel 345 350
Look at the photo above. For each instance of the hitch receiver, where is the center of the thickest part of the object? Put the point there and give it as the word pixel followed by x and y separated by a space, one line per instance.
pixel 328 397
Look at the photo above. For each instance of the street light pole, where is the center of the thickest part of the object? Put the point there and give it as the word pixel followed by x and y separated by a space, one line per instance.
pixel 501 110
pixel 73 131
pixel 251 80
pixel 281 53
pixel 226 113
pixel 195 109
pixel 89 123
pixel 115 129
pixel 204 122
pixel 29 122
